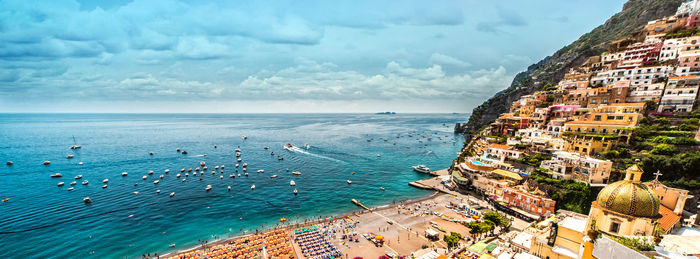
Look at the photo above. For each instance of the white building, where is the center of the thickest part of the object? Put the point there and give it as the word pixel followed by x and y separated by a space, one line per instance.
pixel 688 8
pixel 567 165
pixel 680 94
pixel 641 93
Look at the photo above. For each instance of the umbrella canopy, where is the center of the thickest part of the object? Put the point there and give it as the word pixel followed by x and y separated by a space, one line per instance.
pixel 379 238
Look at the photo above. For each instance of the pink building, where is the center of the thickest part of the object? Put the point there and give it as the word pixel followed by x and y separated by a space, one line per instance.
pixel 562 111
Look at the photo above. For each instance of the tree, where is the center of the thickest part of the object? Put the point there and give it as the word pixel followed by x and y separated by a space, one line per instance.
pixel 664 149
pixel 496 219
pixel 453 239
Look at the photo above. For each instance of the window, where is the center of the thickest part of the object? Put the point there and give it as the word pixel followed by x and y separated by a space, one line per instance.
pixel 614 227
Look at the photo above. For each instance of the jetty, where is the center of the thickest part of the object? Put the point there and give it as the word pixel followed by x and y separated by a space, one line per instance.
pixel 359 204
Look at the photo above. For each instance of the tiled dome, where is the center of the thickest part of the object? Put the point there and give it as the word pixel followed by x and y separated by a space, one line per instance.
pixel 629 198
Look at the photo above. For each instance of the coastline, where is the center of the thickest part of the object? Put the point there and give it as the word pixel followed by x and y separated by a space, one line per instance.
pixel 288 227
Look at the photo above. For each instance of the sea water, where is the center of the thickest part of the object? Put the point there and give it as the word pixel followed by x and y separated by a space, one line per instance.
pixel 42 220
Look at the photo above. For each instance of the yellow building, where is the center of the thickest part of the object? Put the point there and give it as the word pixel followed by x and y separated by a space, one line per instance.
pixel 563 239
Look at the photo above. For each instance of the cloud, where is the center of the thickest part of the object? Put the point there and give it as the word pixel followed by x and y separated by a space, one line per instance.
pixel 443 59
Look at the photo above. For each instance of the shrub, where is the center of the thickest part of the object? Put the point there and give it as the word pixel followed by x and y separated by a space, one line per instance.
pixel 662 121
pixel 664 149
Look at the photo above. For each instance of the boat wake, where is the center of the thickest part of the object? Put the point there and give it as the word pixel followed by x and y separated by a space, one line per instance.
pixel 302 151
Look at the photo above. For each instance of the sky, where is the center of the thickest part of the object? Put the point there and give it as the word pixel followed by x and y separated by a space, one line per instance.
pixel 182 56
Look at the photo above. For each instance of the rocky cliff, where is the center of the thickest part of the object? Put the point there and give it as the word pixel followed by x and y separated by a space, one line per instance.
pixel 634 14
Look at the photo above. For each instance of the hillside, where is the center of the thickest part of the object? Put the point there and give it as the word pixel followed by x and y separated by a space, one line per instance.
pixel 634 14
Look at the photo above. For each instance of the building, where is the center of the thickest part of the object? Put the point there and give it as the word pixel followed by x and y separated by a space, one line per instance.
pixel 573 166
pixel 639 54
pixel 680 94
pixel 663 25
pixel 647 92
pixel 532 201
pixel 563 238
pixel 688 8
pixel 616 93
pixel 503 152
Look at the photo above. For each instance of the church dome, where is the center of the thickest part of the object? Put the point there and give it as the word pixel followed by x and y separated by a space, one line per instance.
pixel 630 198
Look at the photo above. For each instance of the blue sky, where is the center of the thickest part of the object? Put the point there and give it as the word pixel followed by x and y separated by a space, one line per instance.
pixel 276 56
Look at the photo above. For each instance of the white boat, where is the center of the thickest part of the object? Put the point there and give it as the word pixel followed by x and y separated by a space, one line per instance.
pixel 189 169
pixel 78 176
pixel 183 180
pixel 229 188
pixel 187 174
pixel 222 167
pixel 178 175
pixel 87 200
pixel 144 177
pixel 296 192
pixel 237 150
pixel 75 144
pixel 252 187
pixel 204 168
pixel 157 191
pixel 69 156
pixel 288 146
pixel 80 163
pixel 296 173
pixel 245 165
pixel 349 182
pixel 85 182
pixel 60 184
pixel 266 148
pixel 307 146
pixel 70 189
pixel 216 167
pixel 57 175
pixel 125 173
pixel 150 172
pixel 104 186
pixel 239 160
pixel 239 175
pixel 292 183
pixel 202 163
pixel 272 153
pixel 246 173
pixel 172 194
pixel 244 137
pixel 136 193
pixel 73 183
pixel 382 188
pixel 167 171
pixel 182 170
pixel 156 182
pixel 421 169
pixel 236 165
pixel 280 158
pixel 208 188
pixel 238 154
pixel 47 162
pixel 161 176
pixel 105 181
pixel 261 171
pixel 232 176
pixel 273 176
pixel 221 177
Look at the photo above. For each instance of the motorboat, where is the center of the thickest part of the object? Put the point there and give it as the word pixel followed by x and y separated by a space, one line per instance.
pixel 167 171
pixel 292 183
pixel 172 194
pixel 47 162
pixel 60 184
pixel 161 176
pixel 288 145
pixel 87 200
pixel 150 153
pixel 421 169
pixel 216 167
pixel 296 173
pixel 75 144
pixel 296 192
pixel 184 152
pixel 136 193
pixel 261 171
pixel 157 191
pixel 379 155
pixel 229 188
pixel 150 172
pixel 9 163
pixel 183 180
pixel 178 150
pixel 69 156
pixel 239 175
pixel 125 173
pixel 178 175
pixel 189 169
pixel 222 167
pixel 187 174
pixel 252 187
pixel 237 150
pixel 272 153
pixel 144 177
pixel 73 183
pixel 244 137
pixel 208 188
pixel 245 165
pixel 382 188
pixel 246 173
pixel 266 148
pixel 232 176
pixel 273 176
pixel 236 165
pixel 307 146
pixel 85 182
pixel 104 186
pixel 78 176
pixel 182 170
pixel 238 154
pixel 349 182
pixel 156 182
pixel 57 175
pixel 80 163
pixel 239 160
pixel 204 168
pixel 280 158
pixel 202 163
pixel 70 189
pixel 221 177
pixel 105 181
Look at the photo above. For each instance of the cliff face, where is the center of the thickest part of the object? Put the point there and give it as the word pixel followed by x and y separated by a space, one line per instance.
pixel 634 14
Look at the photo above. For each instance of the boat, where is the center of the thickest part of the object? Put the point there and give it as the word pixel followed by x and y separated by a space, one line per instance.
pixel 273 176
pixel 237 150
pixel 150 153
pixel 221 177
pixel 69 156
pixel 184 152
pixel 244 137
pixel 421 169
pixel 57 175
pixel 70 189
pixel 182 170
pixel 75 144
pixel 236 165
pixel 296 192
pixel 172 245
pixel 245 164
pixel 178 175
pixel 222 167
pixel 296 173
pixel 150 172
pixel 60 184
pixel 349 182
pixel 47 162
pixel 280 158
pixel 288 146
pixel 72 183
pixel 229 188
pixel 272 153
pixel 202 163
pixel 307 146
pixel 172 194
pixel 204 168
pixel 78 176
pixel 239 175
pixel 136 193
pixel 208 188
pixel 379 155
pixel 261 171
pixel 266 148
pixel 104 186
pixel 292 183
pixel 161 176
pixel 167 171
pixel 87 200
pixel 105 181
pixel 9 163
pixel 246 173
pixel 382 188
pixel 144 177
pixel 157 191
pixel 252 187
pixel 239 160
pixel 238 154
pixel 125 173
pixel 189 169
pixel 178 150
pixel 85 182
pixel 216 167
pixel 156 182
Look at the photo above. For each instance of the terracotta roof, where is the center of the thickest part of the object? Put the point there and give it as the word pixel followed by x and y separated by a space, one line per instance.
pixel 625 104
pixel 601 123
pixel 500 146
pixel 668 218
pixel 682 77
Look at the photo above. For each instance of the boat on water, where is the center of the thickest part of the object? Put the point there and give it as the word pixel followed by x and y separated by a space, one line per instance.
pixel 157 191
pixel 239 160
pixel 349 182
pixel 156 182
pixel 421 169
pixel 288 146
pixel 167 171
pixel 78 176
pixel 261 171
pixel 60 184
pixel 184 152
pixel 57 175
pixel 70 189
pixel 273 176
pixel 296 173
pixel 208 188
pixel 236 165
pixel 238 154
pixel 244 137
pixel 75 144
pixel 136 193
pixel 85 182
pixel 296 192
pixel 245 164
pixel 252 187
pixel 280 158
pixel 104 186
pixel 125 173
pixel 87 200
pixel 144 177
pixel 73 183
pixel 69 156
pixel 221 177
pixel 150 153
pixel 246 173
pixel 266 148
pixel 382 188
pixel 272 153
pixel 9 163
pixel 229 188
pixel 178 175
pixel 172 194
pixel 379 155
pixel 307 146
pixel 237 150
pixel 47 162
pixel 292 183
pixel 161 176
pixel 105 181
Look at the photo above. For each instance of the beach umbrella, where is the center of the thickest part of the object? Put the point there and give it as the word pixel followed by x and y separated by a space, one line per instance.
pixel 379 238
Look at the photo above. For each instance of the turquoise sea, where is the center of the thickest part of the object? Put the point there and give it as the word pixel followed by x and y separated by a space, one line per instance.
pixel 42 220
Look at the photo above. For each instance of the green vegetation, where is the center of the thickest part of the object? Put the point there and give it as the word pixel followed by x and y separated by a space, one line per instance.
pixel 453 239
pixel 534 160
pixel 664 149
pixel 679 170
pixel 638 244
pixel 569 195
